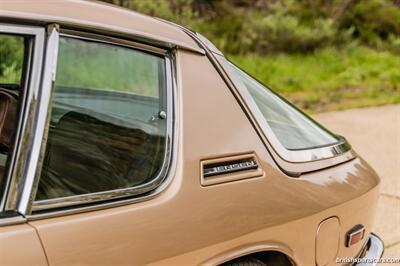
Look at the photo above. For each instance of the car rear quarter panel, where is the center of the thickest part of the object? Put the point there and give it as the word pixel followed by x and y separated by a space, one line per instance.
pixel 191 224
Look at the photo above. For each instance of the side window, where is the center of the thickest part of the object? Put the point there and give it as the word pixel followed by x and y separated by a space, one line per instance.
pixel 108 125
pixel 14 50
pixel 293 129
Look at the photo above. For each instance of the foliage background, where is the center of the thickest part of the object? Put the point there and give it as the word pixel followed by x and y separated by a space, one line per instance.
pixel 320 54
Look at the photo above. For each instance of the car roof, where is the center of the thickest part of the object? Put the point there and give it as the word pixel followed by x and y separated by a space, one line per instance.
pixel 98 16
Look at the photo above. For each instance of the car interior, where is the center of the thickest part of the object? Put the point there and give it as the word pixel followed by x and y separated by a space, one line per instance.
pixel 85 154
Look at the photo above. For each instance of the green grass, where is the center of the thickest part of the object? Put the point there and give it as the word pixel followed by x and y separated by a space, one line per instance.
pixel 329 79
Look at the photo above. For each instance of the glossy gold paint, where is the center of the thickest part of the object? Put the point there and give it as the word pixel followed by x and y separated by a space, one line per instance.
pixel 20 245
pixel 189 223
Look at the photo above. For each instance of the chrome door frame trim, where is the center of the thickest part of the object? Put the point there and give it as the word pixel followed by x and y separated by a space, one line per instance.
pixel 29 105
pixel 4 221
pixel 40 122
pixel 94 37
pixel 155 186
pixel 292 162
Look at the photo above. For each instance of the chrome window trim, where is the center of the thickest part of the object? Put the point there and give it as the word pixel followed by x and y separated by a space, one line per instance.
pixel 40 123
pixel 5 221
pixel 288 155
pixel 153 186
pixel 112 41
pixel 292 162
pixel 29 106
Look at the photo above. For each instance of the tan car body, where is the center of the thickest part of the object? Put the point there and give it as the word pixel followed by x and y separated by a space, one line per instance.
pixel 187 222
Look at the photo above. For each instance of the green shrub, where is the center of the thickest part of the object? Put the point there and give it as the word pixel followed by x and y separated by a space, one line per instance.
pixel 282 30
pixel 374 22
pixel 11 58
pixel 263 26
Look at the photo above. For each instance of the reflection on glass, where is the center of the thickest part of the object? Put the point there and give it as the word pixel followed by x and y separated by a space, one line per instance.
pixel 104 130
pixel 292 128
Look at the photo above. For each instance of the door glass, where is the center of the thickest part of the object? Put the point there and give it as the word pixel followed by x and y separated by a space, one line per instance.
pixel 106 132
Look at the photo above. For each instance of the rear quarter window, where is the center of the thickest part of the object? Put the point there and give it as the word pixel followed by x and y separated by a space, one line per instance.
pixel 293 129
